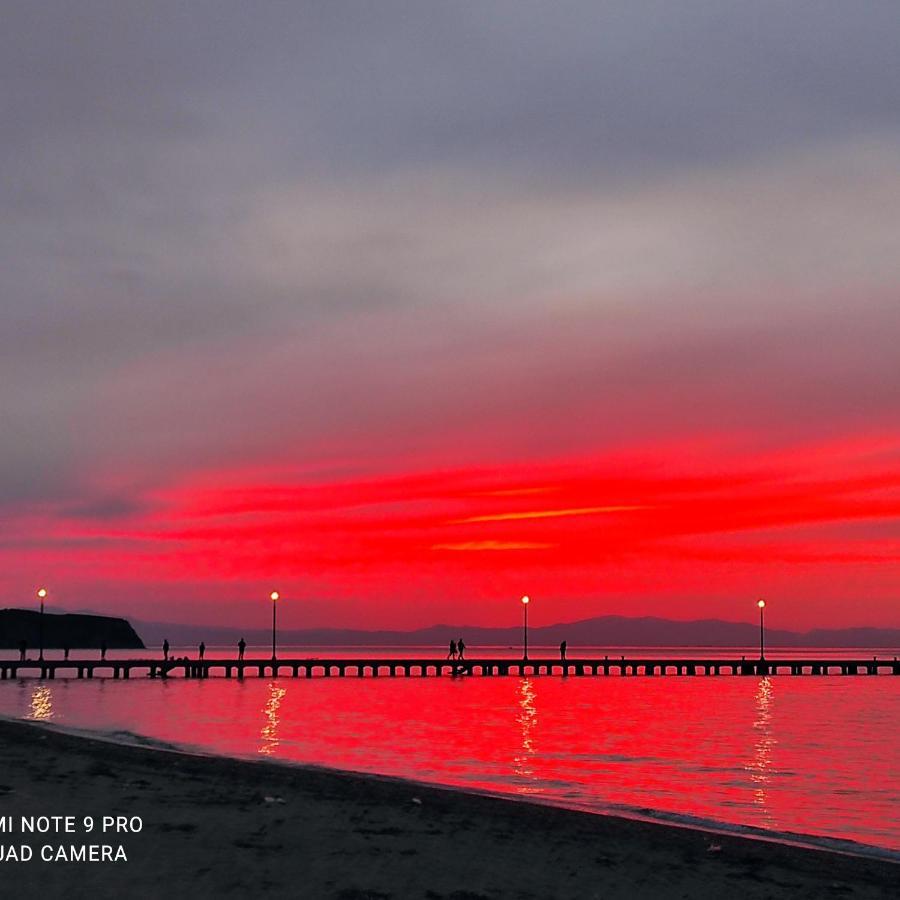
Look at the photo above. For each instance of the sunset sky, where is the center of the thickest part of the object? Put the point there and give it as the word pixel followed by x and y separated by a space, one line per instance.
pixel 408 309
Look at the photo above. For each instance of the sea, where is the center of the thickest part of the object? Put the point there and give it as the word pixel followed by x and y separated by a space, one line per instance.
pixel 814 760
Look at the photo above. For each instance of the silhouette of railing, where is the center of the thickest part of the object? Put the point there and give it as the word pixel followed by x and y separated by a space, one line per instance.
pixel 424 667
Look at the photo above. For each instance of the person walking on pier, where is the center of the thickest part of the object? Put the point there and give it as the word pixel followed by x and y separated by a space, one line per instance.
pixel 562 651
pixel 202 649
pixel 103 650
pixel 23 646
pixel 166 650
pixel 452 653
pixel 461 647
pixel 242 645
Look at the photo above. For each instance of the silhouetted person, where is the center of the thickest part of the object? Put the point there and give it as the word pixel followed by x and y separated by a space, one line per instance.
pixel 202 649
pixel 562 651
pixel 452 653
pixel 166 650
pixel 65 653
pixel 22 648
pixel 242 646
pixel 103 650
pixel 461 647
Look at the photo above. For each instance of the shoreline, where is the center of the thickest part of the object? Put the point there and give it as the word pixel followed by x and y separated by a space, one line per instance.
pixel 843 846
pixel 226 826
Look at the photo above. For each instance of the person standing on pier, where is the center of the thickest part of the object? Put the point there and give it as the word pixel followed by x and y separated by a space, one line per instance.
pixel 23 646
pixel 103 650
pixel 562 651
pixel 242 645
pixel 461 646
pixel 452 653
pixel 66 653
pixel 166 650
pixel 202 649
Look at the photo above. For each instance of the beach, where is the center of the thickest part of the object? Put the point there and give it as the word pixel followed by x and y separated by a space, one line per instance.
pixel 204 826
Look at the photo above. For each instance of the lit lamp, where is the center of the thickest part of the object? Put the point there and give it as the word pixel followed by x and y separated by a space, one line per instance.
pixel 274 596
pixel 762 633
pixel 42 595
pixel 525 601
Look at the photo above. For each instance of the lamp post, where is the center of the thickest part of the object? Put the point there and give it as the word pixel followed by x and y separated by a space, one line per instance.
pixel 762 632
pixel 525 601
pixel 274 598
pixel 42 595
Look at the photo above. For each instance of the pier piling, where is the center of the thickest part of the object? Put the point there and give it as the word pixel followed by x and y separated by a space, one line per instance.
pixel 430 667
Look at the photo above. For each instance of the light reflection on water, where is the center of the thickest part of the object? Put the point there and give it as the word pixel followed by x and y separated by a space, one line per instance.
pixel 41 703
pixel 807 755
pixel 269 733
pixel 761 765
pixel 523 762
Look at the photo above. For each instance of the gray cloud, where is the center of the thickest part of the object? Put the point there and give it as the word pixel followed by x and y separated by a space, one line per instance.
pixel 334 222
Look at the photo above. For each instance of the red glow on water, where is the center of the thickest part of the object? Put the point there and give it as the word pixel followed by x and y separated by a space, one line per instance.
pixel 804 755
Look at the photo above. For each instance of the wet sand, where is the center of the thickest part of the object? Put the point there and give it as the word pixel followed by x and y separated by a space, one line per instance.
pixel 216 827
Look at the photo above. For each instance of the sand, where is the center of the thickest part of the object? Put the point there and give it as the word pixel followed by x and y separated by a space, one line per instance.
pixel 215 827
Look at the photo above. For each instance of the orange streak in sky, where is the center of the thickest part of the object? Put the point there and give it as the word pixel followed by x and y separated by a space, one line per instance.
pixel 547 514
pixel 493 545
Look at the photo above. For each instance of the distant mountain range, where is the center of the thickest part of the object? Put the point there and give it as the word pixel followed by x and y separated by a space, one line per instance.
pixel 613 631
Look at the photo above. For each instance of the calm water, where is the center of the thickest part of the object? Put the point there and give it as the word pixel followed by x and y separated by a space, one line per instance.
pixel 814 756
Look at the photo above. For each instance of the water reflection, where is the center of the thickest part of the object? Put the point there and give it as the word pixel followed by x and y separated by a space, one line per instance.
pixel 41 703
pixel 760 766
pixel 269 733
pixel 523 767
pixel 742 751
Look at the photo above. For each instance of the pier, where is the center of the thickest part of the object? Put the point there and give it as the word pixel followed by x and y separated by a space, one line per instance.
pixel 429 667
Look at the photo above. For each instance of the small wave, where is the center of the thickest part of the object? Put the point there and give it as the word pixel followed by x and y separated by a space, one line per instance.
pixel 120 736
pixel 684 820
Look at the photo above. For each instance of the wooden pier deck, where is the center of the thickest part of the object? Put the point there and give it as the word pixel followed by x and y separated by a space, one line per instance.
pixel 310 667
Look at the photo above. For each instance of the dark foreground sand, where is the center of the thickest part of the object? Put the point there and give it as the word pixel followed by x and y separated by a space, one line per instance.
pixel 215 827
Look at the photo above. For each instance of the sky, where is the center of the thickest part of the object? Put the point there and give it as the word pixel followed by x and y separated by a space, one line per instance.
pixel 409 309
